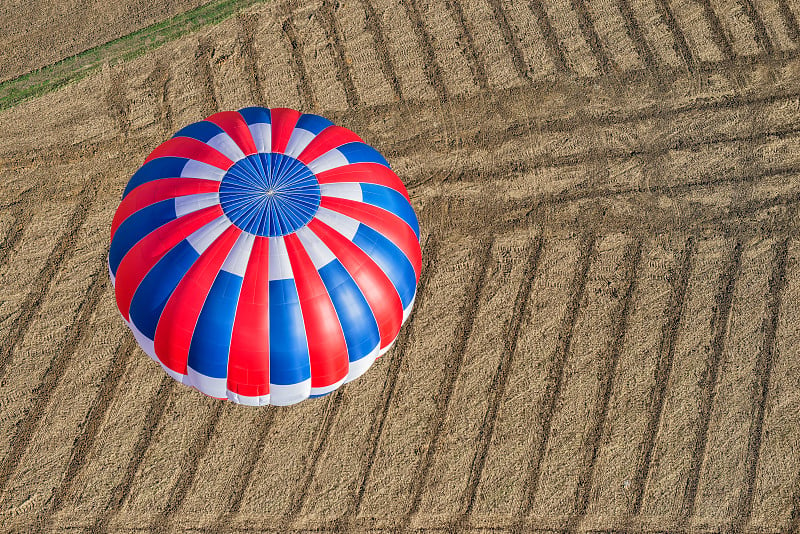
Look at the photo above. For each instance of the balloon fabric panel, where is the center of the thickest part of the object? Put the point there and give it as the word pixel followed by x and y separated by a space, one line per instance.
pixel 327 349
pixel 146 253
pixel 248 363
pixel 187 147
pixel 173 336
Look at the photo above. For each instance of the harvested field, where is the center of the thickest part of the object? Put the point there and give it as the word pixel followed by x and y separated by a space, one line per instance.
pixel 606 332
pixel 67 28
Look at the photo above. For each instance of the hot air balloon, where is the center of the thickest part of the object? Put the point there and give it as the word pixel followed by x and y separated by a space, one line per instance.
pixel 265 256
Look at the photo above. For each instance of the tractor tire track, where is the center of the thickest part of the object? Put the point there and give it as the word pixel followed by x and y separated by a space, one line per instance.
pixel 677 189
pixel 718 35
pixel 766 359
pixel 445 390
pixel 604 61
pixel 557 51
pixel 709 381
pixel 191 461
pixel 300 71
pixel 530 204
pixel 500 381
pixel 334 35
pixel 387 64
pixel 635 34
pixel 516 129
pixel 789 21
pixel 90 427
pixel 647 153
pixel 761 35
pixel 530 210
pixel 203 57
pixel 510 39
pixel 63 250
pixel 248 24
pixel 681 46
pixel 249 466
pixel 328 418
pixel 555 377
pixel 669 334
pixel 26 428
pixel 20 211
pixel 121 492
pixel 598 426
pixel 431 66
pixel 468 48
pixel 160 79
pixel 117 102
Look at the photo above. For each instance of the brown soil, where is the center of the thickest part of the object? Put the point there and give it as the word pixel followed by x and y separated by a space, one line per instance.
pixel 37 33
pixel 605 336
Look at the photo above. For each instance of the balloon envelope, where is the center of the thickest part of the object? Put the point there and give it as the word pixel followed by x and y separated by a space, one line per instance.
pixel 265 256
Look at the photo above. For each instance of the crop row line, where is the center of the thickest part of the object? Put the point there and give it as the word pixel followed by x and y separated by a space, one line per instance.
pixel 419 142
pixel 67 70
pixel 468 313
pixel 559 55
pixel 672 325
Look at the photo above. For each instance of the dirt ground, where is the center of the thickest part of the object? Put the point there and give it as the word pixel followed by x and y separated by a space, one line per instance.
pixel 606 332
pixel 37 33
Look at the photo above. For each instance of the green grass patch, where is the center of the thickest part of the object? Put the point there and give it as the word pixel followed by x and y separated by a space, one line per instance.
pixel 73 68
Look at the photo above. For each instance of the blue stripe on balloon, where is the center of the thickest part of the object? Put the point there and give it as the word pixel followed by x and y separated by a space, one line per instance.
pixel 211 340
pixel 358 323
pixel 288 349
pixel 138 225
pixel 202 131
pixel 155 289
pixel 156 169
pixel 312 123
pixel 242 195
pixel 256 115
pixel 392 201
pixel 356 152
pixel 390 259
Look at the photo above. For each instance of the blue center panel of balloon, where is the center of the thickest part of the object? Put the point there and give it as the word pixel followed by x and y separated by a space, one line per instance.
pixel 269 194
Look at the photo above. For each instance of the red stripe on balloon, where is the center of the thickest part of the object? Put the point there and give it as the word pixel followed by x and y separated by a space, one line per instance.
pixel 327 348
pixel 283 122
pixel 384 222
pixel 151 192
pixel 376 287
pixel 146 253
pixel 328 139
pixel 248 362
pixel 368 173
pixel 188 147
pixel 179 318
pixel 236 127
